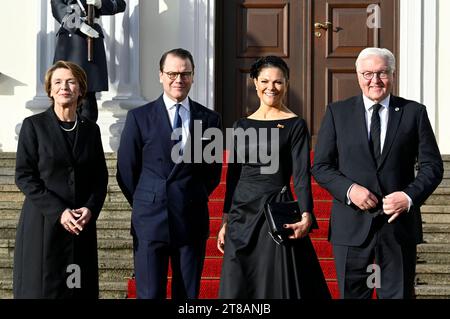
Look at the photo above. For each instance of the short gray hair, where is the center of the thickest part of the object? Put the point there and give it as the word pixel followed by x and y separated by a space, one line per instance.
pixel 380 52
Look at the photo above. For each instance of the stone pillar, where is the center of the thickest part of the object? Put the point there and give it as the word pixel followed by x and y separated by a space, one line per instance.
pixel 122 52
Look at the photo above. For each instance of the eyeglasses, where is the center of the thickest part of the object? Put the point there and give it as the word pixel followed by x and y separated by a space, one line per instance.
pixel 381 75
pixel 184 75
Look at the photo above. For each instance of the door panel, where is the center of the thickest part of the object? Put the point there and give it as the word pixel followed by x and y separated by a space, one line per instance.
pixel 335 50
pixel 251 29
pixel 322 69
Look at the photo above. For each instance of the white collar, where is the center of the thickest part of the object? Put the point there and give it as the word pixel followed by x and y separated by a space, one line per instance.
pixel 171 103
pixel 368 103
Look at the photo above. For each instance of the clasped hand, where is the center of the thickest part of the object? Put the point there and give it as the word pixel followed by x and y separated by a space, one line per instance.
pixel 393 204
pixel 74 220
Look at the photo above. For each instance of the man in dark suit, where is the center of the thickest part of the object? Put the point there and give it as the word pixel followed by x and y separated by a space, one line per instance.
pixel 365 156
pixel 170 212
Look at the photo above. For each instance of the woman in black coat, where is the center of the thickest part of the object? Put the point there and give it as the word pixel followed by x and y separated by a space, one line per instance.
pixel 61 169
pixel 71 43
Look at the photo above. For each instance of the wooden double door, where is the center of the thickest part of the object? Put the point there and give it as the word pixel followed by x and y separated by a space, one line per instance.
pixel 319 40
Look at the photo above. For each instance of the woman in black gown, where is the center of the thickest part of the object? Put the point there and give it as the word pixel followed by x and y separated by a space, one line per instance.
pixel 254 265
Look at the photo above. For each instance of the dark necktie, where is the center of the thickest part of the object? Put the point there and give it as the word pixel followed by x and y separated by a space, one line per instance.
pixel 177 120
pixel 375 130
pixel 177 125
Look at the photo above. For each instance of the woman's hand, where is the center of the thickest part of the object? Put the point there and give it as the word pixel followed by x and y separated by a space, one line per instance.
pixel 301 229
pixel 221 238
pixel 84 214
pixel 69 221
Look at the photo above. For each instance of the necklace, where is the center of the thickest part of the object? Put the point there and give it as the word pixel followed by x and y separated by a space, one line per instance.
pixel 70 129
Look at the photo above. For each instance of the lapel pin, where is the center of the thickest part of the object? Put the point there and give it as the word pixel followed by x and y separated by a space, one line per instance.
pixel 280 126
pixel 397 109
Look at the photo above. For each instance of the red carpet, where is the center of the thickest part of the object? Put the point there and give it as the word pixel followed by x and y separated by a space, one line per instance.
pixel 213 262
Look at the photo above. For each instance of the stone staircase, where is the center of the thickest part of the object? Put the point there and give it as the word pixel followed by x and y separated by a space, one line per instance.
pixel 433 256
pixel 115 244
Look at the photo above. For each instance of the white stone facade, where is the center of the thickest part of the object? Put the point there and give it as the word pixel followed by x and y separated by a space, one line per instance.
pixel 136 39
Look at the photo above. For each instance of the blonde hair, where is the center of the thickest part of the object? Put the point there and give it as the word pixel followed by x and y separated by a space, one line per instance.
pixel 77 72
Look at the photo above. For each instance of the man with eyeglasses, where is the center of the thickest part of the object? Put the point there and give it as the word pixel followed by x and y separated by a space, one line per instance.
pixel 365 156
pixel 170 218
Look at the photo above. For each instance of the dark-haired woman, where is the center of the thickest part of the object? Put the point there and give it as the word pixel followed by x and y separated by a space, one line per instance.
pixel 61 169
pixel 254 265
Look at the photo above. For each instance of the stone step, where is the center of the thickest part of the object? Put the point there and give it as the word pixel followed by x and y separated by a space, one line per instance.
pixel 108 248
pixel 437 269
pixel 8 162
pixel 6 179
pixel 433 248
pixel 441 190
pixel 446 165
pixel 123 215
pixel 5 294
pixel 433 258
pixel 433 254
pixel 436 238
pixel 433 279
pixel 108 290
pixel 435 209
pixel 7 171
pixel 439 199
pixel 445 182
pixel 104 234
pixel 436 228
pixel 111 206
pixel 436 218
pixel 432 291
pixel 110 269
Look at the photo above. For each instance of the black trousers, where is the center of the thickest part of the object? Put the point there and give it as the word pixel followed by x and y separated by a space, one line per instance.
pixel 151 262
pixel 89 107
pixel 381 263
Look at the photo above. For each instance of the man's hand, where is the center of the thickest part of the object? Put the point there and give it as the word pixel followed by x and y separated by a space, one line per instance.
pixel 89 31
pixel 362 197
pixel 394 204
pixel 96 3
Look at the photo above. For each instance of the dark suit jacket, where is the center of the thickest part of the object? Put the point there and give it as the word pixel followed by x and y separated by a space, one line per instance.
pixel 169 201
pixel 71 43
pixel 53 178
pixel 343 157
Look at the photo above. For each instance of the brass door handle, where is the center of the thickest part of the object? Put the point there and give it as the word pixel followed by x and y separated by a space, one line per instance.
pixel 323 26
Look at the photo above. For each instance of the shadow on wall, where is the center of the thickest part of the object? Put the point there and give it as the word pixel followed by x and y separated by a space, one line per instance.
pixel 129 94
pixel 8 84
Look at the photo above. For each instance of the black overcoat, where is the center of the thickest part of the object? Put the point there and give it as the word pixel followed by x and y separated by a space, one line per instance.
pixel 54 177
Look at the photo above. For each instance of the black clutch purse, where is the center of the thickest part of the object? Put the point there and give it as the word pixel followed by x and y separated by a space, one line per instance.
pixel 278 214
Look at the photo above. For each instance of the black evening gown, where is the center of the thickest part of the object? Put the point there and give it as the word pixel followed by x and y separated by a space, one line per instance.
pixel 254 266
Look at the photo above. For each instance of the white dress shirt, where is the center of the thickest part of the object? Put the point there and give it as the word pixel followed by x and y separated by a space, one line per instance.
pixel 384 118
pixel 185 114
